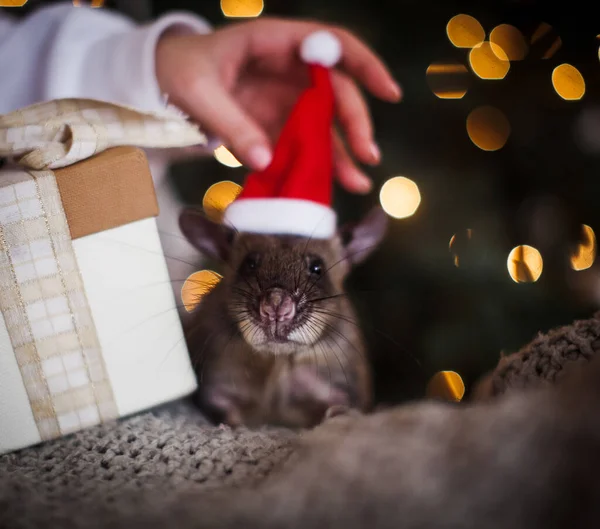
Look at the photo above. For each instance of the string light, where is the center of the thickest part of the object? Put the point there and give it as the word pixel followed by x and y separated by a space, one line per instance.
pixel 525 264
pixel 464 31
pixel 448 80
pixel 585 254
pixel 224 156
pixel 218 197
pixel 488 128
pixel 568 82
pixel 242 8
pixel 196 286
pixel 489 61
pixel 510 40
pixel 446 385
pixel 400 197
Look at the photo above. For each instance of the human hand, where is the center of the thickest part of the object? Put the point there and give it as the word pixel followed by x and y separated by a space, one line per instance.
pixel 240 83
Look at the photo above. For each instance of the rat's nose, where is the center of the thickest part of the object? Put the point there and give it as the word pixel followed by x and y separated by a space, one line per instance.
pixel 277 305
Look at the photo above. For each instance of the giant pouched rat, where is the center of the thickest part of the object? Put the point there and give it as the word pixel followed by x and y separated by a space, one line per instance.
pixel 277 340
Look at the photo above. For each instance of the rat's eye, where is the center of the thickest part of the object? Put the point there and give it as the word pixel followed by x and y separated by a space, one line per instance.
pixel 251 262
pixel 315 267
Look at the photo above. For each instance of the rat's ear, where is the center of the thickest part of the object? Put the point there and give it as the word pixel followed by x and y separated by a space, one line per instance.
pixel 362 238
pixel 212 239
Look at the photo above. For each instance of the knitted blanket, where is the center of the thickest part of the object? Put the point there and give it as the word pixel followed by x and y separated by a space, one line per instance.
pixel 492 464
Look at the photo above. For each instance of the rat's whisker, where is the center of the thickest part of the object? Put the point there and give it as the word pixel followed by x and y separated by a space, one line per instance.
pixel 332 329
pixel 345 258
pixel 317 339
pixel 342 352
pixel 377 330
pixel 144 321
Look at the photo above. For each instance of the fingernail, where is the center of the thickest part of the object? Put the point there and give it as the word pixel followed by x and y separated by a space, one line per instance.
pixel 259 157
pixel 375 153
pixel 363 184
pixel 397 91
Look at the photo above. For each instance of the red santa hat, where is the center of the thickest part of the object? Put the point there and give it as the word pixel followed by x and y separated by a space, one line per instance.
pixel 293 194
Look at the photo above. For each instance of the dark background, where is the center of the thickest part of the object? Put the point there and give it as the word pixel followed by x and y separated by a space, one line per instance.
pixel 422 313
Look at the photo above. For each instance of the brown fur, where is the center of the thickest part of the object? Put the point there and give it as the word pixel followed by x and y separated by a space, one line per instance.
pixel 246 375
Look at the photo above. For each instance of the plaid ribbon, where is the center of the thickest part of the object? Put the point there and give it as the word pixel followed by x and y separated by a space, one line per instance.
pixel 58 133
pixel 45 309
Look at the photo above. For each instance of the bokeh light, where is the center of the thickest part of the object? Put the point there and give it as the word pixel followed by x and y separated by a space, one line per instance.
pixel 585 254
pixel 510 40
pixel 587 129
pixel 218 197
pixel 196 286
pixel 488 128
pixel 400 197
pixel 242 8
pixel 464 31
pixel 568 82
pixel 446 385
pixel 489 61
pixel 224 156
pixel 457 245
pixel 546 40
pixel 525 264
pixel 448 80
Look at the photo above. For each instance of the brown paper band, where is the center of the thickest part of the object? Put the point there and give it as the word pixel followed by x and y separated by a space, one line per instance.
pixel 45 308
pixel 110 189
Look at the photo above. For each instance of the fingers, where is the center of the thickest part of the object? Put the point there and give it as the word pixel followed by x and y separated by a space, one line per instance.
pixel 221 116
pixel 353 115
pixel 281 39
pixel 363 64
pixel 347 174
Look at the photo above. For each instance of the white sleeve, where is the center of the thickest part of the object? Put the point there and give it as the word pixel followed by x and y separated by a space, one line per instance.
pixel 66 51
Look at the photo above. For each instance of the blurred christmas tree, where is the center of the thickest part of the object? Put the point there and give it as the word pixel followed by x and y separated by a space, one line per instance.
pixel 504 150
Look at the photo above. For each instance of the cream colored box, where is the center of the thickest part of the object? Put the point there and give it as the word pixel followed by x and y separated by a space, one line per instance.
pixel 89 330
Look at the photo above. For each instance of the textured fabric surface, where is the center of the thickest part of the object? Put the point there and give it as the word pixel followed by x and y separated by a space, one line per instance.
pixel 169 449
pixel 509 463
pixel 546 359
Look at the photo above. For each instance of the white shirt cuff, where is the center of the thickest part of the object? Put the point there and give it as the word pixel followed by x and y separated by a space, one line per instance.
pixel 122 66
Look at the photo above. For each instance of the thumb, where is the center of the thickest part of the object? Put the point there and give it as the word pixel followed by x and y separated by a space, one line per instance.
pixel 217 113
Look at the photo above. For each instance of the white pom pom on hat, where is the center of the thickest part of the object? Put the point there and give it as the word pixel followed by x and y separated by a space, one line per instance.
pixel 321 47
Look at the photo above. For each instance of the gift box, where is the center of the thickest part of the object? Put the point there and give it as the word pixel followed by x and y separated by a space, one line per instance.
pixel 90 329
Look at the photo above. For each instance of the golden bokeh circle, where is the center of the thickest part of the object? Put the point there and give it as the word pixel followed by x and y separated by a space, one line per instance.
pixel 464 31
pixel 448 80
pixel 446 385
pixel 525 264
pixel 488 128
pixel 196 286
pixel 242 8
pixel 510 40
pixel 489 61
pixel 218 197
pixel 568 82
pixel 585 254
pixel 224 156
pixel 400 197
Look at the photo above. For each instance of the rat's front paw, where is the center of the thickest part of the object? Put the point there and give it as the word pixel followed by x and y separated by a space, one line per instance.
pixel 225 405
pixel 307 386
pixel 305 397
